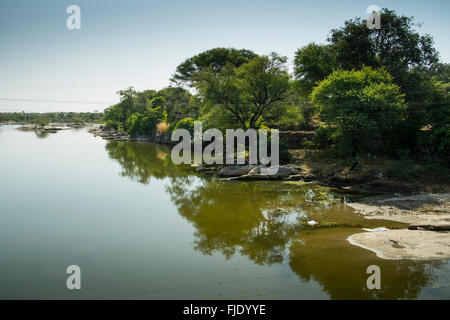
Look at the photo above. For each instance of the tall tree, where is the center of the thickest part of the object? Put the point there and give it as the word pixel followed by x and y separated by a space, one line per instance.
pixel 397 46
pixel 312 63
pixel 215 59
pixel 248 91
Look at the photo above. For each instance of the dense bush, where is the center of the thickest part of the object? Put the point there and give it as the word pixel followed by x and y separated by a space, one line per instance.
pixel 187 123
pixel 146 122
pixel 365 106
pixel 435 137
pixel 325 137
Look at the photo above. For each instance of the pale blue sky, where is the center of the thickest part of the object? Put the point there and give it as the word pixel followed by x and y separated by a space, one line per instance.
pixel 139 43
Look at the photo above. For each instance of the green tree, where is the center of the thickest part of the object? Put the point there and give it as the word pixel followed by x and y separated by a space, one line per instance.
pixel 435 135
pixel 117 114
pixel 439 72
pixel 312 63
pixel 215 59
pixel 41 122
pixel 179 103
pixel 187 123
pixel 364 106
pixel 395 46
pixel 248 91
pixel 145 123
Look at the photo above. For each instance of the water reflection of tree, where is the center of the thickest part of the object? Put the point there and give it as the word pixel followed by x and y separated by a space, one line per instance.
pixel 40 134
pixel 254 219
pixel 143 161
pixel 231 217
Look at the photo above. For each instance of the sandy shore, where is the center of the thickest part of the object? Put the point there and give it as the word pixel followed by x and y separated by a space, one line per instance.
pixel 418 210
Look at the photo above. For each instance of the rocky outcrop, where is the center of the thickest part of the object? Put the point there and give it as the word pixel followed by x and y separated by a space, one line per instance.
pixel 405 244
pixel 109 134
pixel 207 170
pixel 234 171
pixel 420 209
pixel 427 236
pixel 53 128
pixel 288 172
pixel 164 138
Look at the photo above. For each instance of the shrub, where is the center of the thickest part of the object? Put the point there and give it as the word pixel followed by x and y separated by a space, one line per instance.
pixel 324 137
pixel 365 106
pixel 186 123
pixel 41 122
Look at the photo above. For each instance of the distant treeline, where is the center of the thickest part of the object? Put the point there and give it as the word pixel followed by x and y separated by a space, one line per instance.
pixel 51 117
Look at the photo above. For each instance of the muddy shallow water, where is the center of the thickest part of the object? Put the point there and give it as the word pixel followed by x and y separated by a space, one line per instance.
pixel 141 227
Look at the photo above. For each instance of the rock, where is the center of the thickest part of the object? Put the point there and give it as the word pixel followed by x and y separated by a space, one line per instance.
pixel 306 177
pixel 26 128
pixel 255 170
pixel 234 171
pixel 277 172
pixel 163 138
pixel 381 229
pixel 405 244
pixel 424 213
pixel 75 125
pixel 207 170
pixel 45 129
pixel 109 134
pixel 441 227
pixel 251 177
pixel 284 172
pixel 417 210
pixel 379 174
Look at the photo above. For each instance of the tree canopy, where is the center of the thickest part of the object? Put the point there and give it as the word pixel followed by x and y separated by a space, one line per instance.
pixel 365 106
pixel 365 90
pixel 215 59
pixel 246 92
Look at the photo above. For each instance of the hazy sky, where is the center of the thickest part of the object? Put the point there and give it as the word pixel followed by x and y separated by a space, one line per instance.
pixel 139 43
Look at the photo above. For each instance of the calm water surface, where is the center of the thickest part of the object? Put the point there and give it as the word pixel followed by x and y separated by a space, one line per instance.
pixel 140 227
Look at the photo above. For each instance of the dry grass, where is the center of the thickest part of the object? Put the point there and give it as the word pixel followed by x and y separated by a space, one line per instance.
pixel 162 127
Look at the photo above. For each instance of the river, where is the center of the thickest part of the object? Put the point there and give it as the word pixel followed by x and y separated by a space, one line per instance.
pixel 140 227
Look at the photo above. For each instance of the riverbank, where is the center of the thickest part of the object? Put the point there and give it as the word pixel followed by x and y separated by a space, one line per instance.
pixel 369 176
pixel 425 213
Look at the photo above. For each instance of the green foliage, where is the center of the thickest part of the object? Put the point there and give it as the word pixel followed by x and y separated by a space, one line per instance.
pixel 52 117
pixel 355 45
pixel 140 112
pixel 325 137
pixel 313 63
pixel 289 117
pixel 215 60
pixel 179 103
pixel 285 155
pixel 246 92
pixel 365 106
pixel 187 123
pixel 435 136
pixel 408 169
pixel 41 122
pixel 145 123
pixel 292 113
